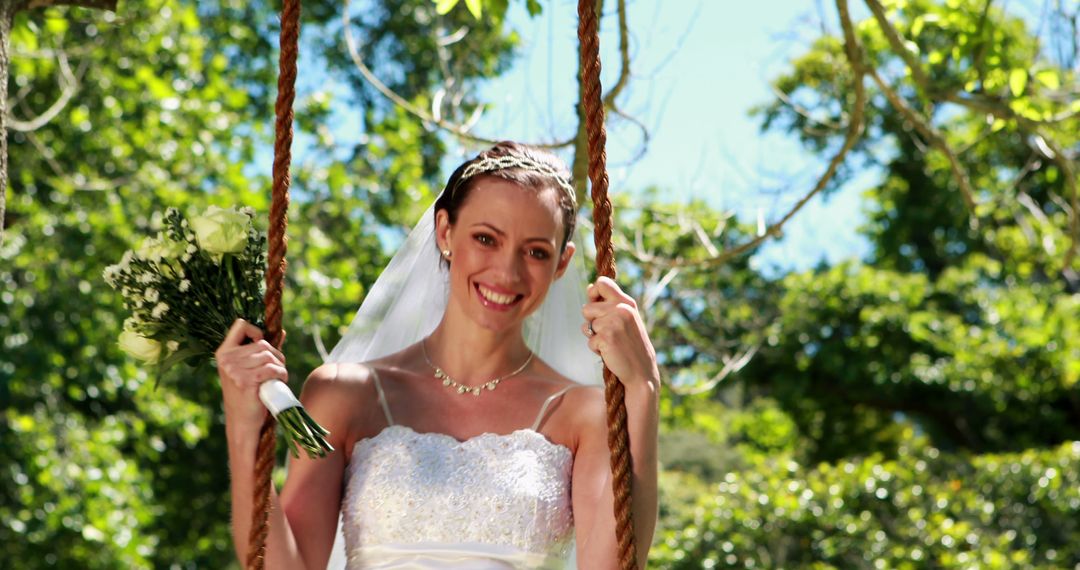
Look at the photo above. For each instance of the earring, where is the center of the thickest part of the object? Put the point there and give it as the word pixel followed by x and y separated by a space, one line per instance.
pixel 446 253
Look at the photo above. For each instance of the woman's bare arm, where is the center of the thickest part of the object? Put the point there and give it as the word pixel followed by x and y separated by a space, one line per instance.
pixel 593 499
pixel 303 520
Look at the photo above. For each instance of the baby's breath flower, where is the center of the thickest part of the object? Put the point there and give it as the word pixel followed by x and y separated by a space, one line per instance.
pixel 191 248
pixel 172 345
pixel 152 295
pixel 159 310
pixel 110 275
pixel 185 285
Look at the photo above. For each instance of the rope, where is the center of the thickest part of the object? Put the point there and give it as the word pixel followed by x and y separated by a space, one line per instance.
pixel 276 264
pixel 618 437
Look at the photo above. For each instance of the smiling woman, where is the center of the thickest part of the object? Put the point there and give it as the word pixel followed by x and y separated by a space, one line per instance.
pixel 475 434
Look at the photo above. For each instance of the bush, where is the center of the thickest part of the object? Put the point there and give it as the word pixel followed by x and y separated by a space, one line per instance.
pixel 924 509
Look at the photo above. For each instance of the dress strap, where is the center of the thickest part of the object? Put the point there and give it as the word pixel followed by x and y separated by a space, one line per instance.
pixel 547 402
pixel 382 396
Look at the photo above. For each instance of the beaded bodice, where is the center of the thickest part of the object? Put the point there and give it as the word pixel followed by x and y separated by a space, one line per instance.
pixel 427 500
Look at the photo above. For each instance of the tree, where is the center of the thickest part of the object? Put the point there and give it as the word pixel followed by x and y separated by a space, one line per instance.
pixel 932 388
pixel 170 109
pixel 8 9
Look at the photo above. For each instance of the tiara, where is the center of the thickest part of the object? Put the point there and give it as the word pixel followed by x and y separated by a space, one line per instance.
pixel 491 164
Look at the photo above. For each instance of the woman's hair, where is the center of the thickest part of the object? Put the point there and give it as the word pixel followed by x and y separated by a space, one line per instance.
pixel 529 167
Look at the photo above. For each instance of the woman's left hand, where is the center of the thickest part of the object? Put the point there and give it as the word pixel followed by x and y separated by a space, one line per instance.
pixel 618 334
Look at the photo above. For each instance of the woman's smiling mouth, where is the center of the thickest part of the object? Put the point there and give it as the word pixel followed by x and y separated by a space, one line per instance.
pixel 495 300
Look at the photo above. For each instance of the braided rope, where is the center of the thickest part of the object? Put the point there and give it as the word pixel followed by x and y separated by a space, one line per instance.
pixel 276 264
pixel 618 437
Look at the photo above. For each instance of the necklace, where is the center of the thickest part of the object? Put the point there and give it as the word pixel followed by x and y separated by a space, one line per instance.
pixel 463 389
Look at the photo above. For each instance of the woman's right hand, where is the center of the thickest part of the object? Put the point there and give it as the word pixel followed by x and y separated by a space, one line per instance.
pixel 243 368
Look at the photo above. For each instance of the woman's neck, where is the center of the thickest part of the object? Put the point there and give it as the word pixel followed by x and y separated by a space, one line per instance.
pixel 471 354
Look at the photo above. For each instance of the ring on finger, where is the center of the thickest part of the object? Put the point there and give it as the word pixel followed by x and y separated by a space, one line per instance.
pixel 589 330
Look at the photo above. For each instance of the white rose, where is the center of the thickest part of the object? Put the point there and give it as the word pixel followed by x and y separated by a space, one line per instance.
pixel 221 230
pixel 140 347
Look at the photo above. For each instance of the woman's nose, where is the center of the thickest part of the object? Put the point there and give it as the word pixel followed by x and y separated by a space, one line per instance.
pixel 509 267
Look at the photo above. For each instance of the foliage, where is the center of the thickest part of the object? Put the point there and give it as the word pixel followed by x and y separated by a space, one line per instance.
pixel 172 103
pixel 925 508
pixel 947 361
pixel 940 373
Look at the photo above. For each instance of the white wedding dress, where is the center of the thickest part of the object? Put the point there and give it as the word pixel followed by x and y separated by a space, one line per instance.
pixel 428 501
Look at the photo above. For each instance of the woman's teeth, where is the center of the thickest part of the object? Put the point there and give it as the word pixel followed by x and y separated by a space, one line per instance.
pixel 496 297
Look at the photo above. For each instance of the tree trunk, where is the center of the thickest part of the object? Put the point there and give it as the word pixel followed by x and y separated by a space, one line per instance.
pixel 7 13
pixel 7 16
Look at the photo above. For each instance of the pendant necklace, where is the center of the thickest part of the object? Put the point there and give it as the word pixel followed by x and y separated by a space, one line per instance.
pixel 463 389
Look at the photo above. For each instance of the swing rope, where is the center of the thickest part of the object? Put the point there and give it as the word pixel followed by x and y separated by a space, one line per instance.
pixel 275 270
pixel 618 438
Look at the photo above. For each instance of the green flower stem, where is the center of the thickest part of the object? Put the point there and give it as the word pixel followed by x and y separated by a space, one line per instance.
pixel 301 431
pixel 234 288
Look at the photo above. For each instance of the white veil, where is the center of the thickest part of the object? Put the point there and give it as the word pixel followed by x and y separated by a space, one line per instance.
pixel 408 299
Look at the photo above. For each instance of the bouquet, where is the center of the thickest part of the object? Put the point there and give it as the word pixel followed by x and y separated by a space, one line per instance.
pixel 186 286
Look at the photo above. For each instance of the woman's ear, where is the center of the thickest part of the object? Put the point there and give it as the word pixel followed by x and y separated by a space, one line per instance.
pixel 564 259
pixel 442 230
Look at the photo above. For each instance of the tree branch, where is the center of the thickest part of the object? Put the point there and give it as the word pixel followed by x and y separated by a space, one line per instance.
pixel 898 43
pixel 96 4
pixel 68 87
pixel 624 57
pixel 1000 110
pixel 460 131
pixel 855 129
pixel 931 134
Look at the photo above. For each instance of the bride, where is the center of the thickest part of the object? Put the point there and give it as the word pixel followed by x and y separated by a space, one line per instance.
pixel 463 402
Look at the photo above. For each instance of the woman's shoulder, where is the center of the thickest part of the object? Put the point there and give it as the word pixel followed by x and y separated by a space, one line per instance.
pixel 340 375
pixel 586 400
pixel 341 382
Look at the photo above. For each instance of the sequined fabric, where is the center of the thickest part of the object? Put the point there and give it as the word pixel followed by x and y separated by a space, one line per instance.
pixel 426 500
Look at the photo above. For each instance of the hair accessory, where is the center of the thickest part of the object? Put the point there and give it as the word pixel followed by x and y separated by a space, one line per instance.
pixel 491 164
pixel 463 389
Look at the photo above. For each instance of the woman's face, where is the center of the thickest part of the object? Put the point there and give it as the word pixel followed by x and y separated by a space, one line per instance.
pixel 505 251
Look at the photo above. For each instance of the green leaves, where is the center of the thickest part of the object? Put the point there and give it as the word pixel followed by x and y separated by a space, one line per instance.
pixel 173 109
pixel 925 508
pixel 475 7
pixel 1018 79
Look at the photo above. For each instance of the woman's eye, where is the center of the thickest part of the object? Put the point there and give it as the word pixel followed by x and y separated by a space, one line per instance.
pixel 484 239
pixel 539 253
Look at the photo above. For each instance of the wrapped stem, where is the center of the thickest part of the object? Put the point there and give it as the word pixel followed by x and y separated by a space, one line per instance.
pixel 299 429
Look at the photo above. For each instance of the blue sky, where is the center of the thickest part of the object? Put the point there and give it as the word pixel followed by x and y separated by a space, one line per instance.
pixel 698 67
